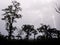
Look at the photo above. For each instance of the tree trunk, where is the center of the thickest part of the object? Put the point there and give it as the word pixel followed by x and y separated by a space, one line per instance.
pixel 27 36
pixel 34 36
pixel 10 31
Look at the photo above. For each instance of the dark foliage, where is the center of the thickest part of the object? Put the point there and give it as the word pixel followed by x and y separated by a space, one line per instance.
pixel 27 29
pixel 10 14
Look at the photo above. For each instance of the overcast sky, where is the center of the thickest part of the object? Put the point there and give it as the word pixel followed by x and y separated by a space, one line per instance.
pixel 34 12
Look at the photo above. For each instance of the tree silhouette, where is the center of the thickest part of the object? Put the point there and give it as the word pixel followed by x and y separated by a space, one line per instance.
pixel 19 34
pixel 27 29
pixel 54 32
pixel 1 36
pixel 10 14
pixel 34 32
pixel 44 29
pixel 19 37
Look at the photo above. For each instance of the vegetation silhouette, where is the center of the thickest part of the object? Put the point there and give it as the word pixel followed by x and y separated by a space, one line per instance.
pixel 27 29
pixel 19 35
pixel 1 36
pixel 49 32
pixel 54 32
pixel 43 29
pixel 10 14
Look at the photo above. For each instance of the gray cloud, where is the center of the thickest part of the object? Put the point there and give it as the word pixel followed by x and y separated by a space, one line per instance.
pixel 34 12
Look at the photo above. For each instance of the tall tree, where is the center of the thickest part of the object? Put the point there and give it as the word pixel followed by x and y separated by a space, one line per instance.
pixel 11 13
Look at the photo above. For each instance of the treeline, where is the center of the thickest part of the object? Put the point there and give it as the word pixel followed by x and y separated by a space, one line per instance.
pixel 27 31
pixel 43 32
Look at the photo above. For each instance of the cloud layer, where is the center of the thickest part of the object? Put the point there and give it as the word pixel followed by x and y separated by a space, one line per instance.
pixel 34 12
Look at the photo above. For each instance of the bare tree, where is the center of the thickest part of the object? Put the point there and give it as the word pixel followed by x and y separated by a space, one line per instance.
pixel 11 13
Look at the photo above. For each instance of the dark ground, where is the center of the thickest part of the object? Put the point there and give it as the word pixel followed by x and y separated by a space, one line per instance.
pixel 29 42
